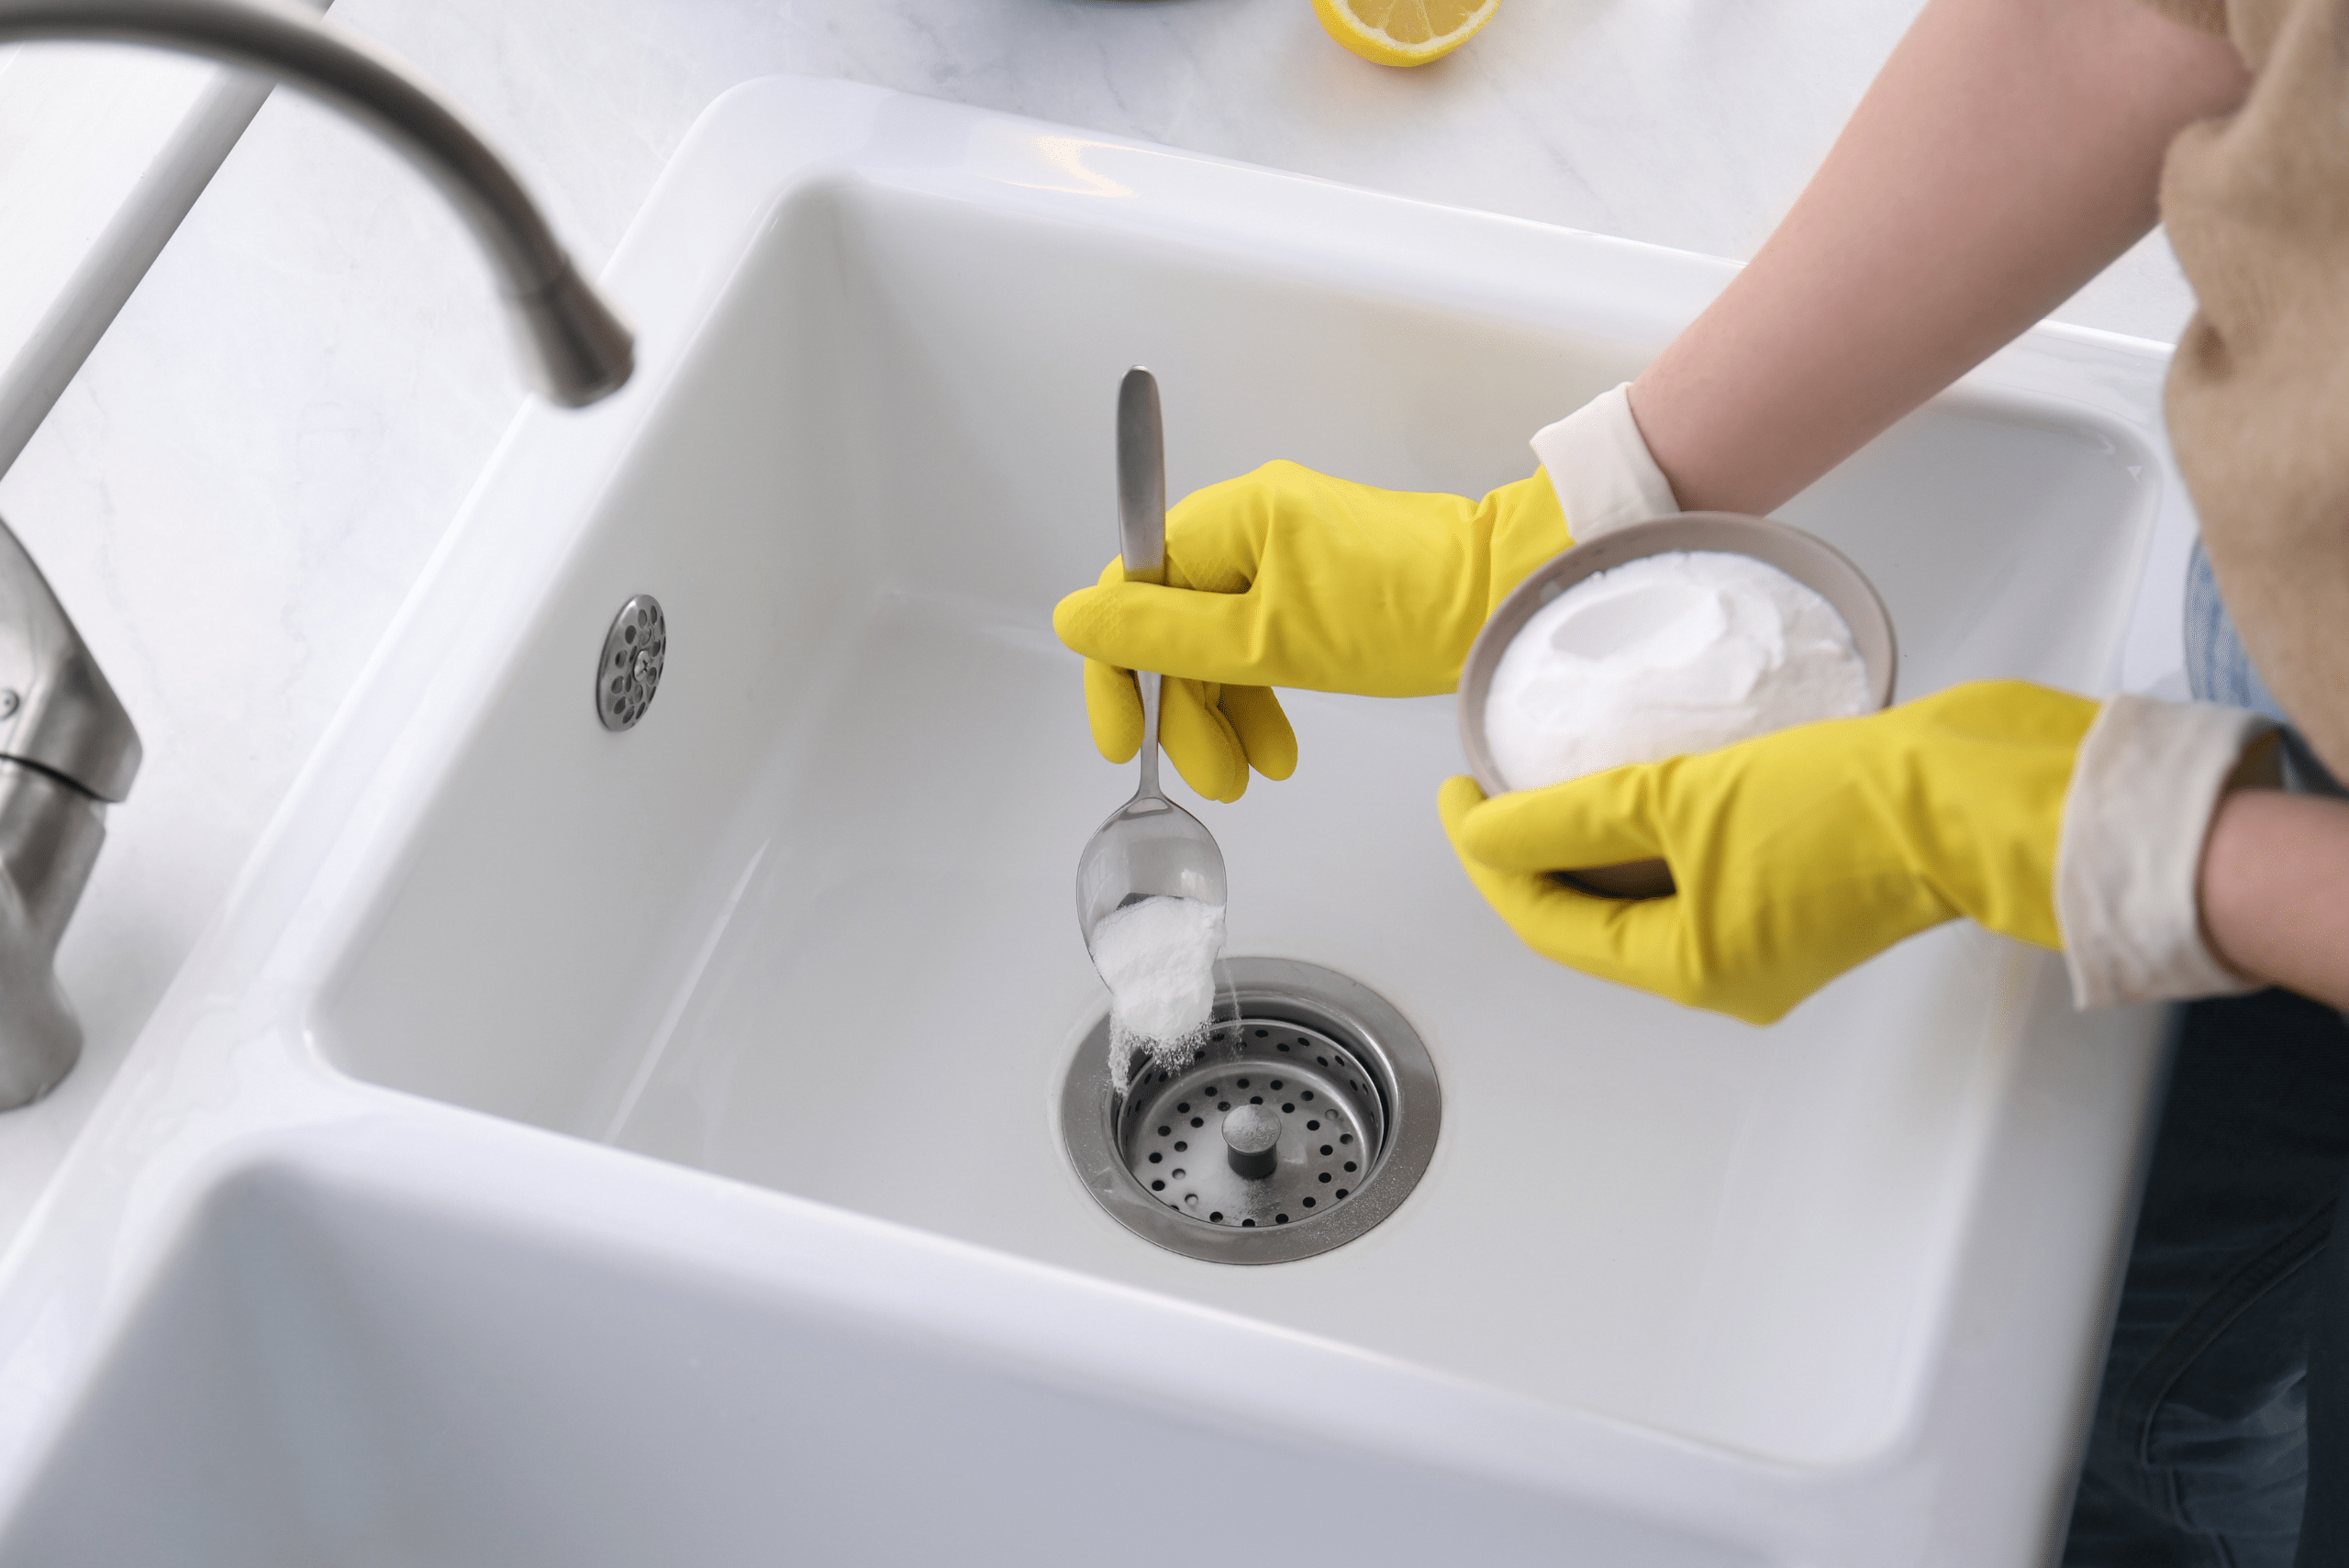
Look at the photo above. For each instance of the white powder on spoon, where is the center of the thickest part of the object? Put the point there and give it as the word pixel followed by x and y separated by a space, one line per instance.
pixel 1663 656
pixel 1158 955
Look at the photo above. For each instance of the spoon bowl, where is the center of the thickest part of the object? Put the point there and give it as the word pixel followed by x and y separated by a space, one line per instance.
pixel 1148 847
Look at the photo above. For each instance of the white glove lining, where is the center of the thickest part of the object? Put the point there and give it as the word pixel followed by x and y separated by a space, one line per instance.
pixel 2129 858
pixel 1599 465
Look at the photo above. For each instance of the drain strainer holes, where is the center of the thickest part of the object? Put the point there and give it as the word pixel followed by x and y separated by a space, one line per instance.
pixel 636 650
pixel 1262 1163
pixel 1305 1119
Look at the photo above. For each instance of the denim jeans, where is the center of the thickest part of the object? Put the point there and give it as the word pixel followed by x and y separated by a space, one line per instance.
pixel 2198 1455
pixel 2220 670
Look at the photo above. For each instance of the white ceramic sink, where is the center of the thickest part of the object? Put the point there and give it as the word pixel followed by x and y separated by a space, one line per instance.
pixel 333 1371
pixel 572 1139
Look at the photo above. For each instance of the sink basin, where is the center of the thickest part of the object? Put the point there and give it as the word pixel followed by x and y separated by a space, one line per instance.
pixel 330 1371
pixel 680 1101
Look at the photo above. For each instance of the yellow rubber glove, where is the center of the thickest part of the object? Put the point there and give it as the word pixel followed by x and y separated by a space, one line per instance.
pixel 1797 854
pixel 1285 577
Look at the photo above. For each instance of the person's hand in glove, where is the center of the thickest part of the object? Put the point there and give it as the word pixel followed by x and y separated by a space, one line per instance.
pixel 1285 577
pixel 1801 854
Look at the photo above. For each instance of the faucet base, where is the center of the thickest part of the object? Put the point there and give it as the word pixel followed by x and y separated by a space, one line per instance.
pixel 49 834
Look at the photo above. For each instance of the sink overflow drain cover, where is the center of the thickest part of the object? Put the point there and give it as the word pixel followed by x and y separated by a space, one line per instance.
pixel 635 651
pixel 1305 1119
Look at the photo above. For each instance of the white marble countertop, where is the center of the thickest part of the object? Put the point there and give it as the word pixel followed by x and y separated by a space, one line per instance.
pixel 237 491
pixel 102 153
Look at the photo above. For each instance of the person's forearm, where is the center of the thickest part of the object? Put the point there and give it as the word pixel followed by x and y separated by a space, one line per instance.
pixel 2276 890
pixel 2008 151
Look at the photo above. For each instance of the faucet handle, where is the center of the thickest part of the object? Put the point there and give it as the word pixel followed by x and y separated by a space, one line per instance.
pixel 57 710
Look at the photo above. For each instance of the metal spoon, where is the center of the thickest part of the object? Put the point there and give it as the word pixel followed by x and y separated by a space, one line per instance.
pixel 1150 846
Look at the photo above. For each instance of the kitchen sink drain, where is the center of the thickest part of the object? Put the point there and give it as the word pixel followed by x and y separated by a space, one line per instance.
pixel 1306 1118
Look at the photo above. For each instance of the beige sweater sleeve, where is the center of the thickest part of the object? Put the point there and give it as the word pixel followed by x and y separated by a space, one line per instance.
pixel 2257 207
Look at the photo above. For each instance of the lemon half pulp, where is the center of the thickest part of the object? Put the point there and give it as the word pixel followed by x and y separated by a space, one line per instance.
pixel 1403 32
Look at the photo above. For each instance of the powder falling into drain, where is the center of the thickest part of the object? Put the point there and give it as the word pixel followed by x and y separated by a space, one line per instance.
pixel 1158 955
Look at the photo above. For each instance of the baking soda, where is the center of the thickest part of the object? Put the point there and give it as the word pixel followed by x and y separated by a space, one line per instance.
pixel 1158 955
pixel 1663 656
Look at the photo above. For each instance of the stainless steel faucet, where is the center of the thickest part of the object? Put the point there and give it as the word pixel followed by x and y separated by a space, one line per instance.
pixel 67 748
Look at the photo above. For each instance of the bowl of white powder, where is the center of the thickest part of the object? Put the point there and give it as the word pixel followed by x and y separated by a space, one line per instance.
pixel 1665 638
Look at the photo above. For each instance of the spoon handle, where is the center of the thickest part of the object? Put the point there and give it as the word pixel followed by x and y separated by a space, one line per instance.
pixel 1141 479
pixel 1141 525
pixel 1148 681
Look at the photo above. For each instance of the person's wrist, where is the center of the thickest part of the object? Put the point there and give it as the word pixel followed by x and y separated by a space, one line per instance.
pixel 2270 884
pixel 2236 865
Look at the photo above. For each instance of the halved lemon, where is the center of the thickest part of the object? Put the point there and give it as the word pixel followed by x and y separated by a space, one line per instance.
pixel 1404 32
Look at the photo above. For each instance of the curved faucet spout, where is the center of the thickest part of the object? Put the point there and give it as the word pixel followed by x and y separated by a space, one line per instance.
pixel 578 347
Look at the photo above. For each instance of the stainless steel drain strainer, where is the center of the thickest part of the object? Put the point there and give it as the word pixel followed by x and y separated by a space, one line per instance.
pixel 1306 1118
pixel 635 651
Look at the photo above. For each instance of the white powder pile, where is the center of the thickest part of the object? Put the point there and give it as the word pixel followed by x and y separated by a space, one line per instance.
pixel 1663 656
pixel 1158 956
